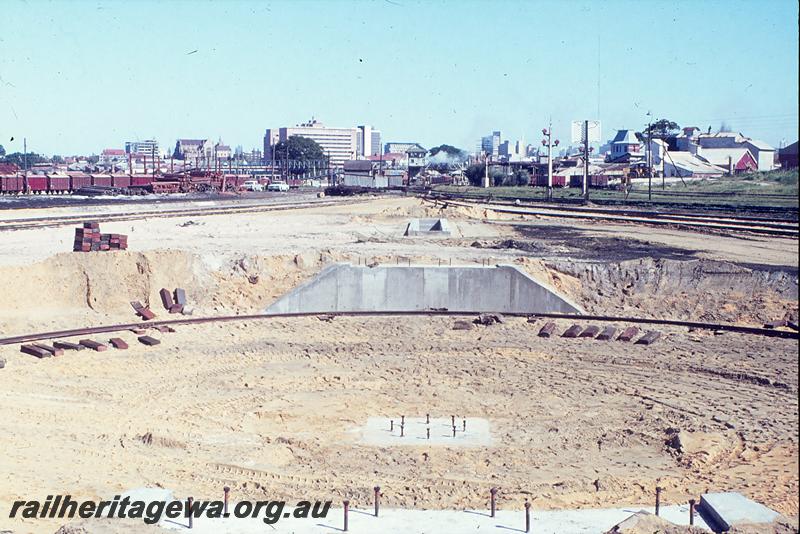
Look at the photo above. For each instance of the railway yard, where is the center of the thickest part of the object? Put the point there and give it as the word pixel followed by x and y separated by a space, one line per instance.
pixel 277 407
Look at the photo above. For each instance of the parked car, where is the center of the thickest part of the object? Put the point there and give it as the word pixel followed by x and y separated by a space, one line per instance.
pixel 278 186
pixel 252 185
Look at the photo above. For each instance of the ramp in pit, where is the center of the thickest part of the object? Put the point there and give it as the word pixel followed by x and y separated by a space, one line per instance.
pixel 344 287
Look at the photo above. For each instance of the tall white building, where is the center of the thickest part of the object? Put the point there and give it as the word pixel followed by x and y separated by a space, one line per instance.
pixel 368 141
pixel 339 144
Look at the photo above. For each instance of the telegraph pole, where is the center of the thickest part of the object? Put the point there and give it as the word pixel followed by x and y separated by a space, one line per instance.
pixel 586 161
pixel 649 167
pixel 550 160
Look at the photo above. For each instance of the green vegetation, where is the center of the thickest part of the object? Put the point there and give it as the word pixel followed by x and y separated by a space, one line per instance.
pixel 774 188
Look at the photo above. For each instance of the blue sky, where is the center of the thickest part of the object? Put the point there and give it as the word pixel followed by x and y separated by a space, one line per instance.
pixel 77 77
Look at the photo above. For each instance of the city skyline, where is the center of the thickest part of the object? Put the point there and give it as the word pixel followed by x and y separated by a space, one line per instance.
pixel 80 77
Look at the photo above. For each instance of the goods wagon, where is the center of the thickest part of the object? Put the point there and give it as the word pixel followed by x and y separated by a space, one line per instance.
pixel 141 180
pixel 558 181
pixel 101 180
pixel 11 183
pixel 595 181
pixel 37 183
pixel 78 180
pixel 121 180
pixel 58 183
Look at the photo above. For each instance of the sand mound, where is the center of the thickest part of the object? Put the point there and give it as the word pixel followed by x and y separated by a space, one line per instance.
pixel 69 290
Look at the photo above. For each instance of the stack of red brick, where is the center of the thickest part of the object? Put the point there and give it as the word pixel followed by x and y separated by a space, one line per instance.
pixel 89 239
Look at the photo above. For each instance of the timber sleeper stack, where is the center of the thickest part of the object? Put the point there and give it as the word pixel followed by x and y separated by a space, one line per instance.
pixel 89 239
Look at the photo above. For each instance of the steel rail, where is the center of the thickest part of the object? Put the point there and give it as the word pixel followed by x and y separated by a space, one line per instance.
pixel 741 329
pixel 44 222
pixel 576 201
pixel 771 222
pixel 658 221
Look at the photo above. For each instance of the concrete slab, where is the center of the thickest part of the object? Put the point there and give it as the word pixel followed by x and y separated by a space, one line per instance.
pixel 390 521
pixel 729 509
pixel 470 289
pixel 376 432
pixel 427 227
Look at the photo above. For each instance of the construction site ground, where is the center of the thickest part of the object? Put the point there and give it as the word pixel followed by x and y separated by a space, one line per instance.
pixel 272 407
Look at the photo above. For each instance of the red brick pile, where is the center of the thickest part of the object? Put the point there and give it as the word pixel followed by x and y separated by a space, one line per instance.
pixel 89 239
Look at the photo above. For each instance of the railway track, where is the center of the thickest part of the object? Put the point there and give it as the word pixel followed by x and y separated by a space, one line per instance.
pixel 742 329
pixel 680 201
pixel 693 221
pixel 63 220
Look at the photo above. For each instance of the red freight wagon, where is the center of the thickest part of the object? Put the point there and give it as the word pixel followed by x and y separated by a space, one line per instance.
pixel 141 180
pixel 11 183
pixel 79 179
pixel 101 180
pixel 37 182
pixel 121 180
pixel 558 181
pixel 58 183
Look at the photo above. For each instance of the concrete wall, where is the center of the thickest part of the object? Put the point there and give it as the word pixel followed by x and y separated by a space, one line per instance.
pixel 345 287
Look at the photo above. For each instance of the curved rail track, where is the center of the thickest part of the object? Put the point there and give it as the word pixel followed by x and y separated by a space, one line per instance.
pixel 688 220
pixel 742 329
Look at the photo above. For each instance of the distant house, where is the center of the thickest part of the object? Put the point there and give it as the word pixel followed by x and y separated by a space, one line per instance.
pixel 674 163
pixel 730 160
pixel 109 156
pixel 788 156
pixel 625 142
pixel 763 153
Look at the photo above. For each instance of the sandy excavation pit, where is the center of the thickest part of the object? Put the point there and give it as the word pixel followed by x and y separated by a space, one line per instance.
pixel 274 408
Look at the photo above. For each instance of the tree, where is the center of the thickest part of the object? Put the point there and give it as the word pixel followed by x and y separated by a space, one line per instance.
pixel 2 151
pixel 19 159
pixel 299 149
pixel 660 129
pixel 448 150
pixel 57 159
pixel 475 174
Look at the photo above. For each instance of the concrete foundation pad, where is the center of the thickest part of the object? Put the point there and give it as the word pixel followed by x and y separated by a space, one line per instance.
pixel 729 509
pixel 427 227
pixel 470 289
pixel 391 521
pixel 377 432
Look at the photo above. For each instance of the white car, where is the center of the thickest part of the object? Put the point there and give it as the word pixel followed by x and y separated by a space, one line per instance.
pixel 278 186
pixel 252 185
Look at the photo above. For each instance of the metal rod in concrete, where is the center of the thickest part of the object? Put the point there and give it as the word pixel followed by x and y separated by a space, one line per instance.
pixel 226 490
pixel 428 430
pixel 402 426
pixel 658 499
pixel 493 500
pixel 189 509
pixel 691 511
pixel 391 425
pixel 346 508
pixel 377 490
pixel 465 425
pixel 402 419
pixel 454 430
pixel 527 516
pixel 453 420
pixel 427 418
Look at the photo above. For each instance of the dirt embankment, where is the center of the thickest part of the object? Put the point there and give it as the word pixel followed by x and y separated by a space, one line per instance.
pixel 699 290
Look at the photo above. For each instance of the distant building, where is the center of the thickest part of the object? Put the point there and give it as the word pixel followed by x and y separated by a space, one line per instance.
pixel 147 148
pixel 416 159
pixel 788 156
pixel 490 144
pixel 111 156
pixel 763 153
pixel 672 163
pixel 222 152
pixel 730 160
pixel 624 144
pixel 392 148
pixel 368 141
pixel 339 144
pixel 196 152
